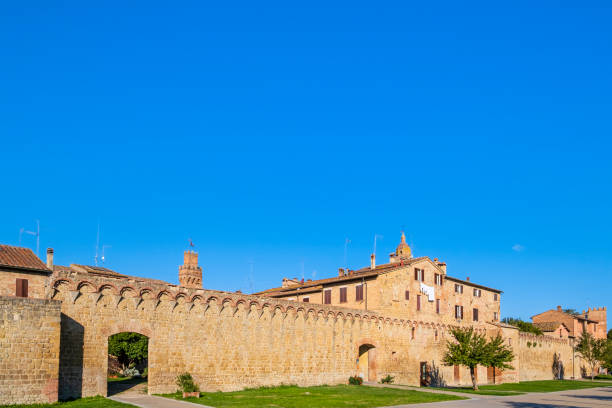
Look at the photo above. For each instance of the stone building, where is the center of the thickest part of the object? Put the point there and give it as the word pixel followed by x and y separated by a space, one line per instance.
pixel 391 319
pixel 22 274
pixel 405 287
pixel 554 329
pixel 592 321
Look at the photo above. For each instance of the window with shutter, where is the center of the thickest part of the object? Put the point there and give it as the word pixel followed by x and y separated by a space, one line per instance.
pixel 462 312
pixel 416 274
pixel 418 302
pixel 21 287
pixel 327 299
pixel 407 295
pixel 359 293
pixel 342 295
pixel 475 315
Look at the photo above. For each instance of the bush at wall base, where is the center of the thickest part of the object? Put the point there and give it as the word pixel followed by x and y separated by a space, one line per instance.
pixel 355 380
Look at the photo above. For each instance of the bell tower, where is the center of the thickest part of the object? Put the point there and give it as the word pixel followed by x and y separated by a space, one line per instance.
pixel 402 251
pixel 190 274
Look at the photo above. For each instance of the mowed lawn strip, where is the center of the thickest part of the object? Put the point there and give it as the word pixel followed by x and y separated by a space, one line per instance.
pixel 344 396
pixel 543 386
pixel 90 402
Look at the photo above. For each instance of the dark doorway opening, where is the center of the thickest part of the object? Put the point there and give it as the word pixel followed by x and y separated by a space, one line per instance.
pixel 424 374
pixel 128 357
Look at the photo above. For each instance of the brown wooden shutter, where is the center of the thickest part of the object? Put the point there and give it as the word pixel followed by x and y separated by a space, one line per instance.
pixel 342 295
pixel 21 287
pixel 418 302
pixel 475 315
pixel 438 306
pixel 416 274
pixel 456 373
pixel 306 300
pixel 462 312
pixel 407 295
pixel 328 297
pixel 359 292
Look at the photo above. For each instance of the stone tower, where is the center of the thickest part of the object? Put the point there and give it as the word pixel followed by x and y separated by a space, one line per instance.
pixel 190 274
pixel 401 252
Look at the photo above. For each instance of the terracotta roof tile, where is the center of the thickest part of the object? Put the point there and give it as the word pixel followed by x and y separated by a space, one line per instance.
pixel 548 326
pixel 20 258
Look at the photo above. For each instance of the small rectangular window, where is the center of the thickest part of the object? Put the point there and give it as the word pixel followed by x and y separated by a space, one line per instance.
pixel 407 295
pixel 419 274
pixel 475 315
pixel 342 295
pixel 438 306
pixel 306 300
pixel 438 279
pixel 495 296
pixel 458 312
pixel 327 297
pixel 21 287
pixel 495 316
pixel 458 288
pixel 477 292
pixel 359 293
pixel 418 302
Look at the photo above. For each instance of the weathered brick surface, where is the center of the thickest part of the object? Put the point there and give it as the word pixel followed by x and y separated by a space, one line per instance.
pixel 29 350
pixel 536 354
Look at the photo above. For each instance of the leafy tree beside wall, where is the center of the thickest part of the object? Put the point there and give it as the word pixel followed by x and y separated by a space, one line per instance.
pixel 522 325
pixel 471 349
pixel 592 350
pixel 129 348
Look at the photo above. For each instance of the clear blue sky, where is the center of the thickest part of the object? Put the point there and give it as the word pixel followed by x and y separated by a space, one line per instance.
pixel 270 132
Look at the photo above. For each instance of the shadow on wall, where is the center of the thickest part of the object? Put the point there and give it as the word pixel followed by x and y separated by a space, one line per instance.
pixel 71 359
pixel 435 378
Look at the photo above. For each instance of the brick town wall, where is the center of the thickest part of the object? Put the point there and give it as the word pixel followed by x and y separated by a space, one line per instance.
pixel 229 341
pixel 536 355
pixel 29 350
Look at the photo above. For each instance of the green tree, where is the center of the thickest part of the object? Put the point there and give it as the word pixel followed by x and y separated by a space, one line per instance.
pixel 522 325
pixel 129 348
pixel 471 349
pixel 610 334
pixel 591 350
pixel 572 312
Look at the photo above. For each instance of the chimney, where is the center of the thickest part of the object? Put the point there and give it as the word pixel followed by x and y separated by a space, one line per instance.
pixel 559 309
pixel 340 271
pixel 373 261
pixel 441 265
pixel 50 258
pixel 190 274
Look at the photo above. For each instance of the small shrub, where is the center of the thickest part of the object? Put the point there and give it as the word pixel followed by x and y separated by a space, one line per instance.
pixel 355 380
pixel 131 372
pixel 186 384
pixel 387 380
pixel 528 344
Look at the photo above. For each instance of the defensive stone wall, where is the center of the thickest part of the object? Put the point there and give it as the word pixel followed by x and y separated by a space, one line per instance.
pixel 228 341
pixel 29 350
pixel 536 354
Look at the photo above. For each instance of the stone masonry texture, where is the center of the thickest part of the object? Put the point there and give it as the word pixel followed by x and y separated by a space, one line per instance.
pixel 29 350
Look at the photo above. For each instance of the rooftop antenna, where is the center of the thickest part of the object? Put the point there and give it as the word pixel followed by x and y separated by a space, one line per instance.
pixel 346 242
pixel 97 245
pixel 375 237
pixel 36 234
pixel 103 248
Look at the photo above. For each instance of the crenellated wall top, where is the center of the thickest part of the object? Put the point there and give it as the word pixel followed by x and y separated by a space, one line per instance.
pixel 140 289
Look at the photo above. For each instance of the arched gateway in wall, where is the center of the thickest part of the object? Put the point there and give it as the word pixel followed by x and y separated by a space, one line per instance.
pixel 227 341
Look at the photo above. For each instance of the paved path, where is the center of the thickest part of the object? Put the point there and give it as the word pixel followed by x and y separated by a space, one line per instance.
pixel 138 396
pixel 585 398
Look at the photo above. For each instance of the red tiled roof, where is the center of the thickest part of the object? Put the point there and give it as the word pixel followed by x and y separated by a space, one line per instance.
pixel 21 258
pixel 353 275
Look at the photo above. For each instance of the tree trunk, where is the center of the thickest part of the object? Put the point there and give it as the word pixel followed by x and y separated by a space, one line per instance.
pixel 474 385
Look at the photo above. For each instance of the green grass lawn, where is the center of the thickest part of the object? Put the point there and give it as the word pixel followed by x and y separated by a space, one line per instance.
pixel 345 396
pixel 543 386
pixel 91 402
